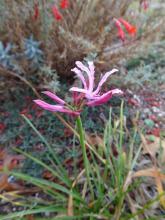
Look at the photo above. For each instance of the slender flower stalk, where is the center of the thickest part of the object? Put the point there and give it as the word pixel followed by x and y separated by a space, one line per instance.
pixel 84 153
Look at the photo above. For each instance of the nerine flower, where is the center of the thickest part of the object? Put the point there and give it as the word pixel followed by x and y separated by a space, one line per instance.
pixel 61 107
pixel 93 96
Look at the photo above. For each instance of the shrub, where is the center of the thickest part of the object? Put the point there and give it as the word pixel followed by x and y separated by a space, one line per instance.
pixel 84 28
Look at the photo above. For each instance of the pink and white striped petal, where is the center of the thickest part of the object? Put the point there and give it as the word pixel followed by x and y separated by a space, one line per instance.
pixel 103 80
pixel 104 98
pixel 90 74
pixel 82 67
pixel 49 107
pixel 100 100
pixel 116 91
pixel 54 97
pixel 76 89
pixel 56 108
pixel 80 76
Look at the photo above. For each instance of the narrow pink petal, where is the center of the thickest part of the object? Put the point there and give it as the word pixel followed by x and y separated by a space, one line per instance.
pixel 103 80
pixel 80 75
pixel 49 107
pixel 104 98
pixel 116 91
pixel 90 73
pixel 54 97
pixel 100 100
pixel 76 89
pixel 91 66
pixel 55 108
pixel 82 67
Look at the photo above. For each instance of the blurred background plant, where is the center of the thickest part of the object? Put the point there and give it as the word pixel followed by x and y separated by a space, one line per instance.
pixel 144 70
pixel 49 33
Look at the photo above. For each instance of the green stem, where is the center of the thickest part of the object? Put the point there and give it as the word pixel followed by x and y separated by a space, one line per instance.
pixel 83 147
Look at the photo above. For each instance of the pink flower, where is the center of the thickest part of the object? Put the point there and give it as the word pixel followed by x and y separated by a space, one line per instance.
pixel 121 33
pixel 56 108
pixel 57 15
pixel 64 4
pixel 94 97
pixel 130 28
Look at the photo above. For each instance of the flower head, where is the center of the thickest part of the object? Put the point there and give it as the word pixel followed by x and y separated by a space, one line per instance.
pixel 61 107
pixel 57 15
pixel 93 96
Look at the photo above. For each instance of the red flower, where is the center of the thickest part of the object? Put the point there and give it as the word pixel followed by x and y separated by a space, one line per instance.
pixel 64 4
pixel 36 11
pixel 130 28
pixel 121 33
pixel 57 15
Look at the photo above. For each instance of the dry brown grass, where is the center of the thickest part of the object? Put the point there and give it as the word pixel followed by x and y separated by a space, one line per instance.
pixel 87 27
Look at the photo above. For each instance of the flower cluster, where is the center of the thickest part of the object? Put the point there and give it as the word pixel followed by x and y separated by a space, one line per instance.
pixel 64 4
pixel 129 28
pixel 92 95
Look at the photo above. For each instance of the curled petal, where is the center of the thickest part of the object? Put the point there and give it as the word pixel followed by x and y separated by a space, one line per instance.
pixel 75 89
pixel 80 75
pixel 104 98
pixel 103 80
pixel 90 73
pixel 101 99
pixel 49 107
pixel 55 108
pixel 82 67
pixel 54 97
pixel 91 67
pixel 116 91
